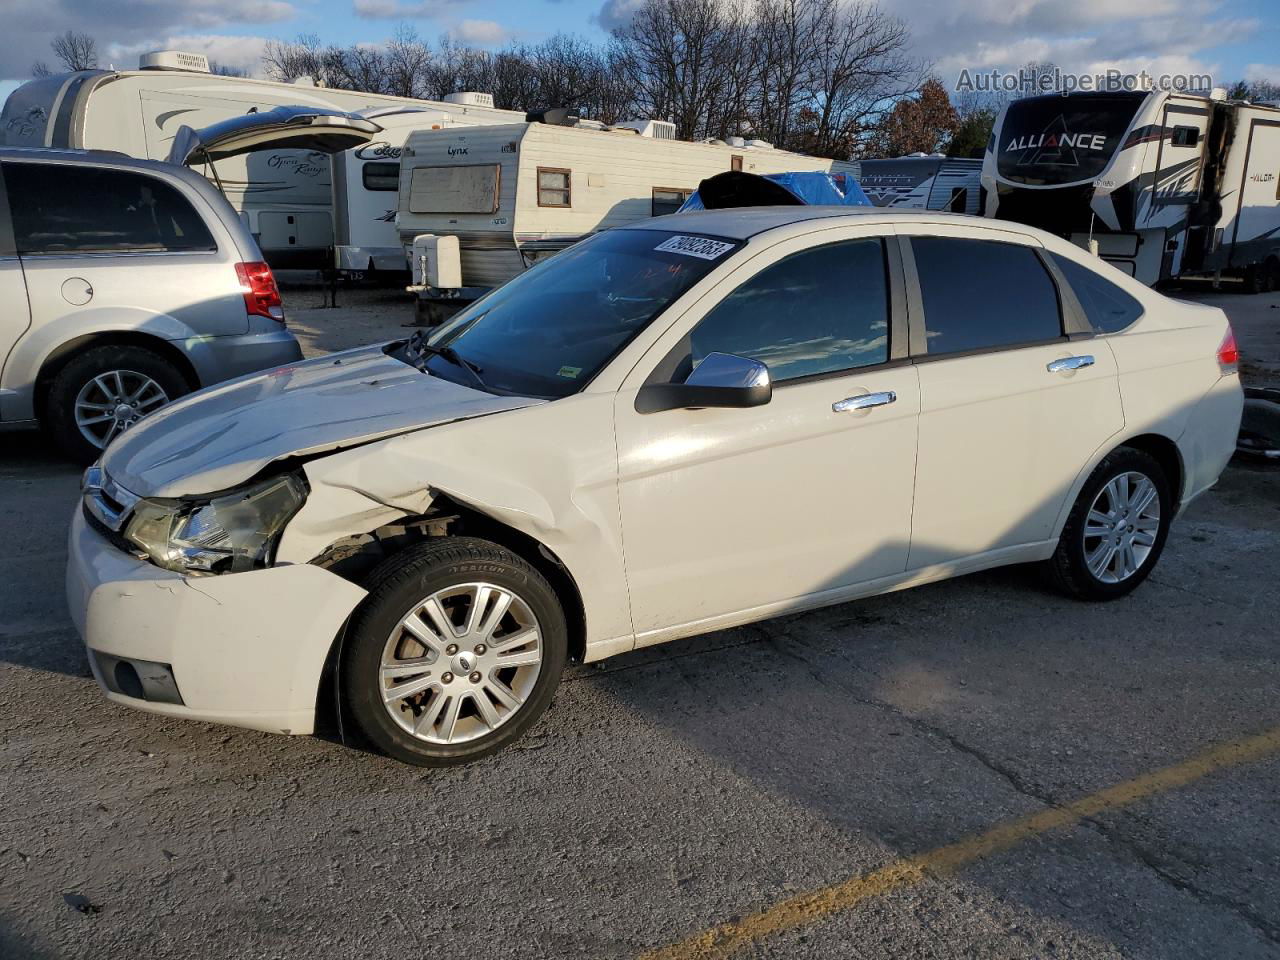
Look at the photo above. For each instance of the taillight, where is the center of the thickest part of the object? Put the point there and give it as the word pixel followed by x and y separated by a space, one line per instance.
pixel 1229 353
pixel 261 295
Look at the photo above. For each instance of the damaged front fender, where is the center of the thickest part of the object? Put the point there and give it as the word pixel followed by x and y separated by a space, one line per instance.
pixel 547 471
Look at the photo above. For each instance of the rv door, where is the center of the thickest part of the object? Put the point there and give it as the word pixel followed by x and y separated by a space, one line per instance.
pixel 284 128
pixel 1181 156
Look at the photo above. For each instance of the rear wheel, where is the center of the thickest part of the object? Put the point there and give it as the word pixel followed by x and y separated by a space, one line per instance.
pixel 454 654
pixel 1116 530
pixel 104 391
pixel 1255 278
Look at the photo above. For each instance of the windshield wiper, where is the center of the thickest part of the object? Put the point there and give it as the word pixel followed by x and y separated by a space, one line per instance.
pixel 418 343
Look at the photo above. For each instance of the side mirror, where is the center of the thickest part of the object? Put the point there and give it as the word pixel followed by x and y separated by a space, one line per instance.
pixel 720 380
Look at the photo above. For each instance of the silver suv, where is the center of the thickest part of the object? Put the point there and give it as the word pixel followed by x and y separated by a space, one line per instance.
pixel 124 284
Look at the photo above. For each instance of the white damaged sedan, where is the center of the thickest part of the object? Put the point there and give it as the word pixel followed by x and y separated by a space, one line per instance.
pixel 684 425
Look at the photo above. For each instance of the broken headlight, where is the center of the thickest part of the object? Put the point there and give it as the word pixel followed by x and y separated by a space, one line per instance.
pixel 225 534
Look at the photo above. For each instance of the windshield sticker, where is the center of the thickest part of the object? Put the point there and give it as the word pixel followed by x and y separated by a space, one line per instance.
pixel 569 372
pixel 699 247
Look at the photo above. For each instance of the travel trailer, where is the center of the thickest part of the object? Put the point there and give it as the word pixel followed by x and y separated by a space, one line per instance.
pixel 924 181
pixel 514 193
pixel 366 188
pixel 1162 185
pixel 285 196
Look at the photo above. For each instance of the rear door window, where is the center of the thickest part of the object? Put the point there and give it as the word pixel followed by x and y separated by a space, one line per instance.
pixel 65 208
pixel 1108 308
pixel 984 295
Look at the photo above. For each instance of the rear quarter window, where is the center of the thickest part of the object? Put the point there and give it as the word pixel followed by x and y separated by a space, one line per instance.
pixel 69 208
pixel 1108 308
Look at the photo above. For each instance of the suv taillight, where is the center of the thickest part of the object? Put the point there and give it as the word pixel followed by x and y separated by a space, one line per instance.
pixel 1229 353
pixel 261 295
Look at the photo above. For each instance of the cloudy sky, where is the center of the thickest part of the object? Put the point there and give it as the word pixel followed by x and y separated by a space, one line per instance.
pixel 1228 39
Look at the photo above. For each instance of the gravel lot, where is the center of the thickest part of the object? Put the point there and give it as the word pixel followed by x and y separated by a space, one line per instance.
pixel 682 787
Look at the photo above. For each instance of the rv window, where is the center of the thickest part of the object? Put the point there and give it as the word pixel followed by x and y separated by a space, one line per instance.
pixel 668 199
pixel 1108 308
pixel 460 189
pixel 982 295
pixel 1058 139
pixel 959 200
pixel 818 311
pixel 555 187
pixel 1185 136
pixel 77 209
pixel 381 175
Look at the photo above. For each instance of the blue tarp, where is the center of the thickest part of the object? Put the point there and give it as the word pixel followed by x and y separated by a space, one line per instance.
pixel 817 188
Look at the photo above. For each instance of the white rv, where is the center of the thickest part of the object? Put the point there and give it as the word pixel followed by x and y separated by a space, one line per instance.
pixel 285 196
pixel 923 181
pixel 512 193
pixel 1164 184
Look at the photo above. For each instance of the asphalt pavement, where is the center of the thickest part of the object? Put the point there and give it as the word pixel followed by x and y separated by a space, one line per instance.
pixel 978 768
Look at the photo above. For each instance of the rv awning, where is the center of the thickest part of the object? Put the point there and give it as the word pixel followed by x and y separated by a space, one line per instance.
pixel 291 128
pixel 734 188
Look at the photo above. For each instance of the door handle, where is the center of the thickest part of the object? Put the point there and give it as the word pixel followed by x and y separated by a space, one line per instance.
pixel 1070 363
pixel 864 402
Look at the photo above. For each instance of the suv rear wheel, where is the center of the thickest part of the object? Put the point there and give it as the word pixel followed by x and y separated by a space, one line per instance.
pixel 102 392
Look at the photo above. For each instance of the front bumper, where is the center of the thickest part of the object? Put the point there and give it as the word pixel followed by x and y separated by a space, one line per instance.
pixel 245 649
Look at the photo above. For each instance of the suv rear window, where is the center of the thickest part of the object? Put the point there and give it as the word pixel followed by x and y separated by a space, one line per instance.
pixel 69 208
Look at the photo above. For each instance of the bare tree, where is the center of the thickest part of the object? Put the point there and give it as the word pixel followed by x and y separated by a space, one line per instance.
pixel 225 70
pixel 77 51
pixel 680 56
pixel 809 75
pixel 860 66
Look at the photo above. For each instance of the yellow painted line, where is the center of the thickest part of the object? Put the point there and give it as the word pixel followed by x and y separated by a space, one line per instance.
pixel 728 938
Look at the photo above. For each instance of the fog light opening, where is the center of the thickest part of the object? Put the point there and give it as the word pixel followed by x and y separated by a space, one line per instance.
pixel 127 680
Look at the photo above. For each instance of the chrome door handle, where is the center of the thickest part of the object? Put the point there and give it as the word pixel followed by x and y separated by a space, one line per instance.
pixel 864 402
pixel 1070 363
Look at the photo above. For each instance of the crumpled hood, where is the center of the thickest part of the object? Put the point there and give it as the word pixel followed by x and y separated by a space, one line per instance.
pixel 222 436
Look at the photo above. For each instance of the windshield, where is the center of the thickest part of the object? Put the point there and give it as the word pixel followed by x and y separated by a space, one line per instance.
pixel 1057 140
pixel 550 330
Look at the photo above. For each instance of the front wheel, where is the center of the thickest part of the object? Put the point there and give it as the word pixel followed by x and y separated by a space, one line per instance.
pixel 1116 530
pixel 454 654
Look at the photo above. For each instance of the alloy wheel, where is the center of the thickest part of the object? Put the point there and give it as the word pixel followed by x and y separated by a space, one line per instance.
pixel 460 663
pixel 1121 528
pixel 114 401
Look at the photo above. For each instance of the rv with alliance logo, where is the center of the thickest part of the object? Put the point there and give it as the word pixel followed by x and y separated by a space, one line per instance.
pixel 286 196
pixel 1162 185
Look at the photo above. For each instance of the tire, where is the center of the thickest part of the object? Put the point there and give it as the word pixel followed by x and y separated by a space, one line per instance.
pixel 1272 269
pixel 1255 279
pixel 1069 569
pixel 74 385
pixel 449 679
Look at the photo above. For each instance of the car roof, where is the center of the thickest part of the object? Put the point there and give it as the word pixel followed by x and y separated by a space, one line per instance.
pixel 742 223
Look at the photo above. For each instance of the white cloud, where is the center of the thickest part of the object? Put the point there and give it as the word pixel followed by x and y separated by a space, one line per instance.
pixel 616 13
pixel 243 53
pixel 29 25
pixel 400 9
pixel 481 33
pixel 1263 71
